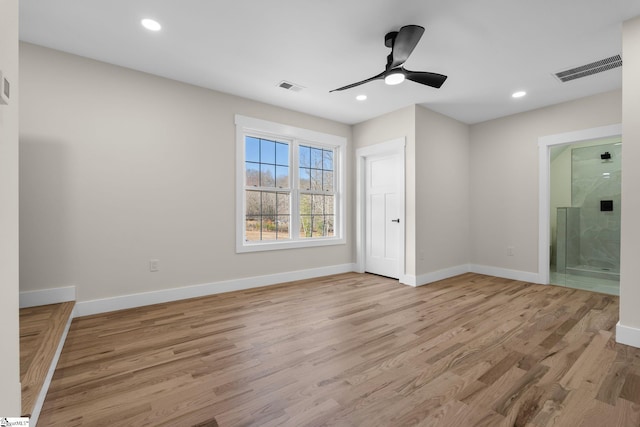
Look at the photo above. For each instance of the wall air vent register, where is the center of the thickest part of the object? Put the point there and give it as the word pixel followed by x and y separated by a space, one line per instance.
pixel 589 69
pixel 290 86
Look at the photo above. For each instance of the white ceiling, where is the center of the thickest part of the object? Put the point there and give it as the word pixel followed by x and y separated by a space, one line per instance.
pixel 488 48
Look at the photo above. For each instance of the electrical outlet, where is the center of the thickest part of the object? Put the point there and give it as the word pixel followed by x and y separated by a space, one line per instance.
pixel 154 265
pixel 510 251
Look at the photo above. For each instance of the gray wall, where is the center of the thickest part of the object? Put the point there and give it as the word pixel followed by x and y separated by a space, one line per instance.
pixel 119 166
pixel 442 192
pixel 9 333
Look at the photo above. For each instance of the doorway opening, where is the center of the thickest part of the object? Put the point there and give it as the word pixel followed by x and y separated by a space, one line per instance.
pixel 585 192
pixel 582 205
pixel 380 210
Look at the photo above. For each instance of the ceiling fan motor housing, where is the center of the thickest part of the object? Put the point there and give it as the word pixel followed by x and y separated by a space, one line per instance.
pixel 390 38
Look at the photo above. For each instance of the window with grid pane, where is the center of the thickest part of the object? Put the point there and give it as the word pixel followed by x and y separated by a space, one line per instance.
pixel 267 190
pixel 290 186
pixel 317 198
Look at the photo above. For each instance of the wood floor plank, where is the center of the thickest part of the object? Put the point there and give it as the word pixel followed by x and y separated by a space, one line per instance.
pixel 351 350
pixel 631 388
pixel 41 330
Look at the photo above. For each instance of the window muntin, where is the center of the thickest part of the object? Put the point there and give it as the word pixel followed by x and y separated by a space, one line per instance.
pixel 290 183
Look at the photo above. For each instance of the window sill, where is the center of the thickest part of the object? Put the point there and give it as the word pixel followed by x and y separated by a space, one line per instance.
pixel 244 247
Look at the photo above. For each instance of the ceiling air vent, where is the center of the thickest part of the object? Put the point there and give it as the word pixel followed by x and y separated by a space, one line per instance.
pixel 589 69
pixel 290 86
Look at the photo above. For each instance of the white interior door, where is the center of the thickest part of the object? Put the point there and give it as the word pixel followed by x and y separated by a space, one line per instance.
pixel 383 224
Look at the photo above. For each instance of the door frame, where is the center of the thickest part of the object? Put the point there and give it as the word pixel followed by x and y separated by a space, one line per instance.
pixel 391 147
pixel 544 184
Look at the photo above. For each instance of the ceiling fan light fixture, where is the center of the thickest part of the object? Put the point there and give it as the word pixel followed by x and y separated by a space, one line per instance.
pixel 519 94
pixel 361 97
pixel 402 43
pixel 151 24
pixel 394 78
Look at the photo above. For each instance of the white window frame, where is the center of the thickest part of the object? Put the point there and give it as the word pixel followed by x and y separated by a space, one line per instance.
pixel 248 126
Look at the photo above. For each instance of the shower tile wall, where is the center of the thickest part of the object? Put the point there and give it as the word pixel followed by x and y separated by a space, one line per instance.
pixel 593 180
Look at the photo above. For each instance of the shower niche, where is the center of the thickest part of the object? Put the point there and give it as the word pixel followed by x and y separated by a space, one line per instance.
pixel 587 230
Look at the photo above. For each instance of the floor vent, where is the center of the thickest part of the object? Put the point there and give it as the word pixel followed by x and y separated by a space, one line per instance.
pixel 589 69
pixel 290 86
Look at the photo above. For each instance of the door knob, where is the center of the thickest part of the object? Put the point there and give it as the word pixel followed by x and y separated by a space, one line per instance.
pixel 396 220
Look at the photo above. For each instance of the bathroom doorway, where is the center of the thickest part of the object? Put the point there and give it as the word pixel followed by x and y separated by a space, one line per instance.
pixel 584 214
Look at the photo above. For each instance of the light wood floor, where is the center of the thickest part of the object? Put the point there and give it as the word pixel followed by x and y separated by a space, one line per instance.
pixel 41 329
pixel 354 350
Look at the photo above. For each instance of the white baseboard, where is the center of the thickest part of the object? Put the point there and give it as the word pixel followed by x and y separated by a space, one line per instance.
pixel 446 273
pixel 434 276
pixel 627 335
pixel 47 296
pixel 87 308
pixel 407 279
pixel 524 276
pixel 35 414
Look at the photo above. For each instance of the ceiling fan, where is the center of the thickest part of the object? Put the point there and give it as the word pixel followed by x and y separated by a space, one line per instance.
pixel 402 44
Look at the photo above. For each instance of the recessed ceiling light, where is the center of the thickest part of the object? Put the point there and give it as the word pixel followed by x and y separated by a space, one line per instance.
pixel 361 97
pixel 519 94
pixel 394 78
pixel 150 24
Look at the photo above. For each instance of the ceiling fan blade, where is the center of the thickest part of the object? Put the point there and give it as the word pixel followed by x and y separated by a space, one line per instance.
pixel 406 40
pixel 430 79
pixel 370 79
